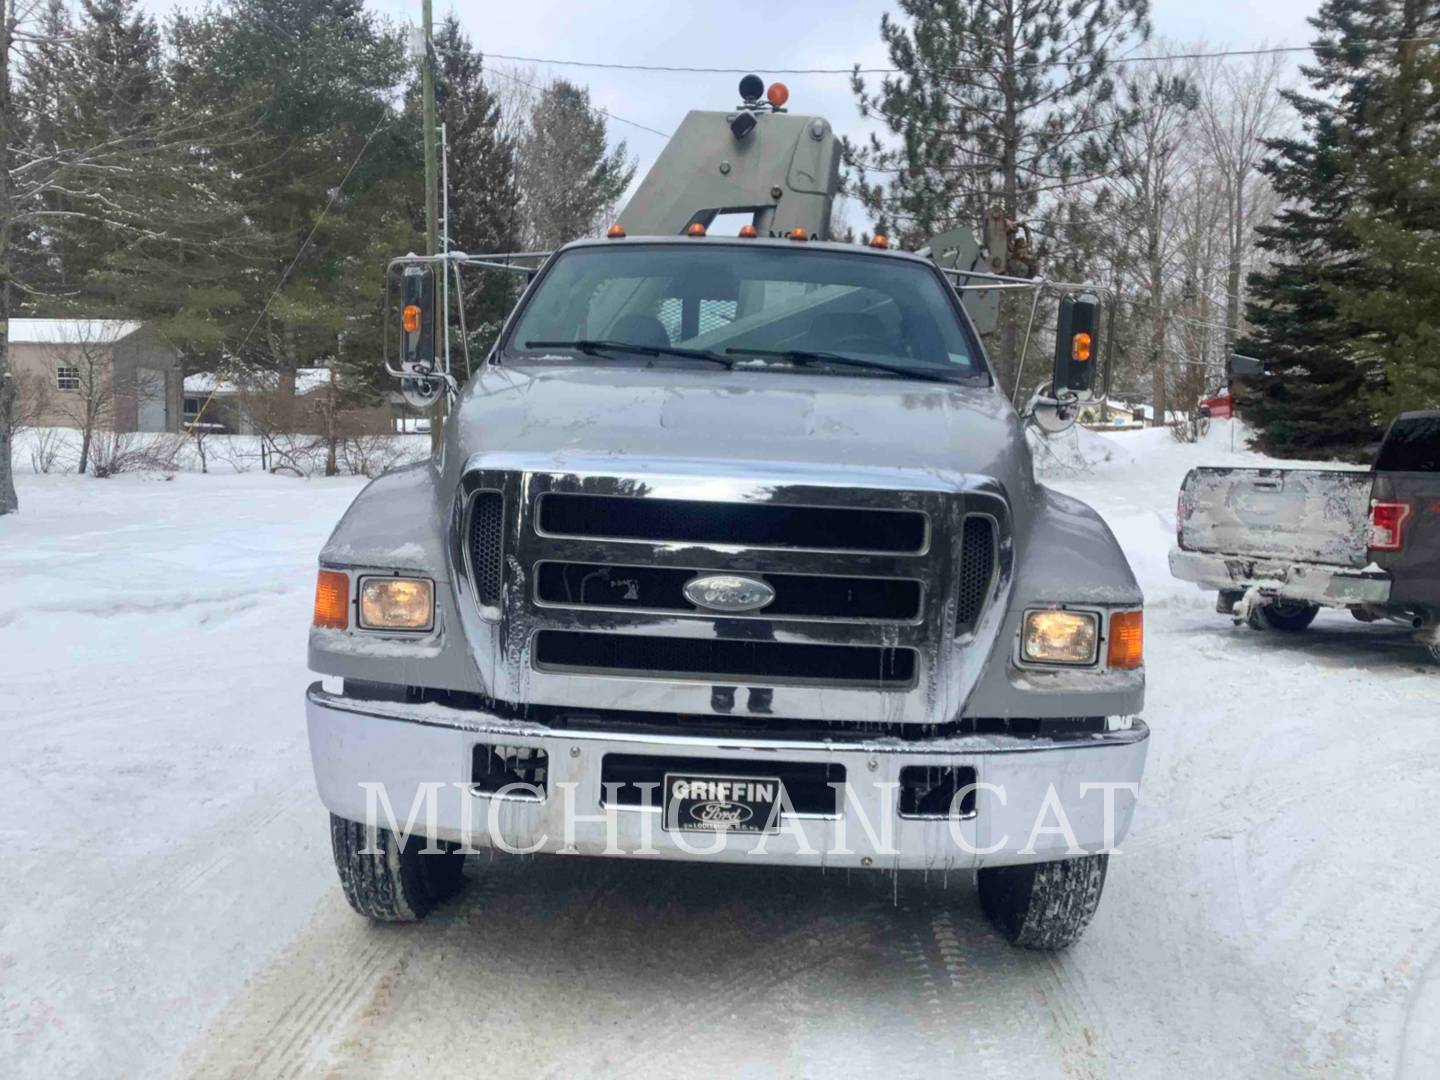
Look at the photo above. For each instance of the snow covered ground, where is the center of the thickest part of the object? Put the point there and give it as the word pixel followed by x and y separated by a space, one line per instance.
pixel 168 905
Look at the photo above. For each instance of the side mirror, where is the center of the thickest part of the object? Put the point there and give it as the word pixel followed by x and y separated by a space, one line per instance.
pixel 1245 366
pixel 1075 353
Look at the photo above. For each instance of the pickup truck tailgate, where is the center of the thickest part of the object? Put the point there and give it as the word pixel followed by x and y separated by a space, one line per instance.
pixel 1296 515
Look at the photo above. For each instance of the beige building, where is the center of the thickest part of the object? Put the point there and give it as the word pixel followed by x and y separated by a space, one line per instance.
pixel 105 374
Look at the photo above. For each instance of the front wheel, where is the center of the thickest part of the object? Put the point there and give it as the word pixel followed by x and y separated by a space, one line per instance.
pixel 392 882
pixel 1282 615
pixel 1044 905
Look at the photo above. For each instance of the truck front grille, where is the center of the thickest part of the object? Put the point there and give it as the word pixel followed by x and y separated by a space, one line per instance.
pixel 872 590
pixel 712 659
pixel 815 528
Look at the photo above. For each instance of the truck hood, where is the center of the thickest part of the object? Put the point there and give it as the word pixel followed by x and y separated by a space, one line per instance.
pixel 785 419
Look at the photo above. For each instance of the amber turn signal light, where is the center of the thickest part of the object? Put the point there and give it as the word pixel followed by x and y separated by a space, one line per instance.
pixel 410 318
pixel 332 600
pixel 1127 640
pixel 1080 347
pixel 778 94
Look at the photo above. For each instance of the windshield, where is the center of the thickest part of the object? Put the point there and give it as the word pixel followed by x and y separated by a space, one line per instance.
pixel 724 299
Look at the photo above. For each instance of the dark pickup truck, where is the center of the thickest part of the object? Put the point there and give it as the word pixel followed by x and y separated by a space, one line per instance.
pixel 1279 544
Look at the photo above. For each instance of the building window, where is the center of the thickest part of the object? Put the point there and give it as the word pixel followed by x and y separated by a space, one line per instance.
pixel 67 378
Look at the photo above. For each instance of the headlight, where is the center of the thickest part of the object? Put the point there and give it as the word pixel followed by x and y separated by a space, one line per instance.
pixel 1060 637
pixel 397 603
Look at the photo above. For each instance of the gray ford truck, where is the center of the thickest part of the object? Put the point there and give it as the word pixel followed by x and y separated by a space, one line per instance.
pixel 1277 545
pixel 732 551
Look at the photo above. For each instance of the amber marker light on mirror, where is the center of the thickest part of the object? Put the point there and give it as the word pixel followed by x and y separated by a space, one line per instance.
pixel 1127 640
pixel 1080 347
pixel 332 600
pixel 410 318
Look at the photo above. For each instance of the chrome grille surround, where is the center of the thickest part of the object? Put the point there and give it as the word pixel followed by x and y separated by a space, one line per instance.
pixel 947 656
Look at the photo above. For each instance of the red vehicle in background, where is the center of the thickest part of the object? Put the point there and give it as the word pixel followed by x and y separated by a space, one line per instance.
pixel 1217 404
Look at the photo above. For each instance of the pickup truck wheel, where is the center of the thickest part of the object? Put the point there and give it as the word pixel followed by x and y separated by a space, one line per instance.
pixel 395 883
pixel 1283 615
pixel 1043 905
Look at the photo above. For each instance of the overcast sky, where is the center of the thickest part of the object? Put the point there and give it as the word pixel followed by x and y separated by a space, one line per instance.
pixel 759 36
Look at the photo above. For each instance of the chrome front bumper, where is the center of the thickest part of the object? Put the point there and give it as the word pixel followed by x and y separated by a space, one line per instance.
pixel 1334 586
pixel 362 748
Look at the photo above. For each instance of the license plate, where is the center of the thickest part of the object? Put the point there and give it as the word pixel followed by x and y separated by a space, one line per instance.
pixel 740 804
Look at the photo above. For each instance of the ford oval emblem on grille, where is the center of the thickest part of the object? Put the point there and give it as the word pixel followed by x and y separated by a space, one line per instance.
pixel 728 592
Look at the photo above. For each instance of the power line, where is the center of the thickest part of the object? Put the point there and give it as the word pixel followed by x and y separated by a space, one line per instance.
pixel 1039 65
pixel 603 112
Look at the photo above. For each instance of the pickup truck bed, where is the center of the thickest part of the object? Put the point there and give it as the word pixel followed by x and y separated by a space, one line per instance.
pixel 1368 540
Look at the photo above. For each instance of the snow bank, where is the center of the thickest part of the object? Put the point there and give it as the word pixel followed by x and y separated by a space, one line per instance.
pixel 1075 452
pixel 57 450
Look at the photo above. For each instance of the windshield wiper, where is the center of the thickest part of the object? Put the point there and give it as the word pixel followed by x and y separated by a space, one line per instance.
pixel 598 347
pixel 806 356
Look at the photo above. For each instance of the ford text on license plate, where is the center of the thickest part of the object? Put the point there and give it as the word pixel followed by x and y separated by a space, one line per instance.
pixel 746 804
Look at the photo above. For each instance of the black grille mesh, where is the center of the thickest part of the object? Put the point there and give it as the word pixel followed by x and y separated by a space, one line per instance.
pixel 977 565
pixel 487 549
pixel 866 666
pixel 817 527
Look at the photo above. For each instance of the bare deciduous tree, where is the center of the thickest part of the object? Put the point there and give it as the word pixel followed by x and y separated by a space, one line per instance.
pixel 1240 107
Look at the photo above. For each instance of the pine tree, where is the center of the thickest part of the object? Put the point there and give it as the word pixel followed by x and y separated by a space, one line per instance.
pixel 1317 398
pixel 95 80
pixel 325 179
pixel 1397 232
pixel 997 102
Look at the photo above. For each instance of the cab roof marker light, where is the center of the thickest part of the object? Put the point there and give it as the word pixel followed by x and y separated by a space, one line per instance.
pixel 615 232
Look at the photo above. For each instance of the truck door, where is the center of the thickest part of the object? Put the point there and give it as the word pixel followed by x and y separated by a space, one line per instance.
pixel 1407 490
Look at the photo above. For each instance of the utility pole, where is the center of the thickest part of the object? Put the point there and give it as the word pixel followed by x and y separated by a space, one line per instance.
pixel 8 390
pixel 432 213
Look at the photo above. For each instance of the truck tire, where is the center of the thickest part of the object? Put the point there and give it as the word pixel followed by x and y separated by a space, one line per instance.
pixel 1044 905
pixel 1283 615
pixel 397 884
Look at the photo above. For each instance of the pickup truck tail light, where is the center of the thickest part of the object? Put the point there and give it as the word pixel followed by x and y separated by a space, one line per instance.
pixel 1387 524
